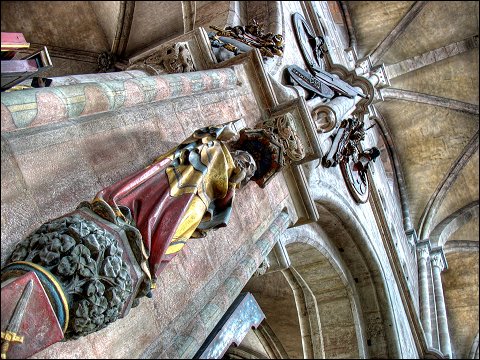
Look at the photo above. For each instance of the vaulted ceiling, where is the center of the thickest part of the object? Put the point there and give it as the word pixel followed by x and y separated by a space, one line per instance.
pixel 430 50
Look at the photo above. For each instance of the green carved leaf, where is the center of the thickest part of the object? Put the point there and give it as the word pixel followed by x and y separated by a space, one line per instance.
pixel 67 266
pixel 111 266
pixel 95 287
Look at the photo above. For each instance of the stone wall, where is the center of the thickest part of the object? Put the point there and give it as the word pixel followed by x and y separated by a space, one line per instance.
pixel 52 164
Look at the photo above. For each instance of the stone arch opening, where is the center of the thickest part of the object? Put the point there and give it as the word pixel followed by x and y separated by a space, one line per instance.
pixel 341 330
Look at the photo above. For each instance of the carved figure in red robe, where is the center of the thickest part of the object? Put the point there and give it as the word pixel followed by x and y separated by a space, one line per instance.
pixel 182 194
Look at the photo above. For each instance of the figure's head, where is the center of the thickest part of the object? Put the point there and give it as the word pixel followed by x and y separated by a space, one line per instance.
pixel 245 167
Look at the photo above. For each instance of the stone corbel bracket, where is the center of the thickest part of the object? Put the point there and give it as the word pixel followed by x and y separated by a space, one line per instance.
pixel 196 42
pixel 276 260
pixel 301 124
pixel 363 66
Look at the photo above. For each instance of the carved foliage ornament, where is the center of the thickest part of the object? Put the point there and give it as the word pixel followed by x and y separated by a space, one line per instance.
pixel 283 128
pixel 175 58
pixel 87 260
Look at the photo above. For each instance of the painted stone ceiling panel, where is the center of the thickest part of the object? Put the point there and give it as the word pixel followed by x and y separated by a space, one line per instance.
pixel 469 231
pixel 438 24
pixel 72 25
pixel 464 190
pixel 455 78
pixel 373 20
pixel 428 139
pixel 461 297
pixel 153 22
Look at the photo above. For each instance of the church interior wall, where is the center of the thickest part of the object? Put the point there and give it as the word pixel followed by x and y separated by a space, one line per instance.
pixel 87 153
pixel 64 151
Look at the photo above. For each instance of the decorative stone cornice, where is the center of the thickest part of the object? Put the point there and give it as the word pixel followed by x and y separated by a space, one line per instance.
pixel 438 259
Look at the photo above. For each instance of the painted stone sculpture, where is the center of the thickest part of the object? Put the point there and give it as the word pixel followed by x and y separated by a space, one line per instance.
pixel 239 39
pixel 86 269
pixel 346 151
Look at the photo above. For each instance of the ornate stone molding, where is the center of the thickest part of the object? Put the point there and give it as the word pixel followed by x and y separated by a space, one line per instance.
pixel 283 127
pixel 355 80
pixel 195 41
pixel 105 61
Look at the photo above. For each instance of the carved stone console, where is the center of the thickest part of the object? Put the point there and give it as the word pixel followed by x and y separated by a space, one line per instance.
pixel 184 53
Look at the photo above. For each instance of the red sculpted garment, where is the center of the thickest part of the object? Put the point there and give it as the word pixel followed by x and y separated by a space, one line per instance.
pixel 180 195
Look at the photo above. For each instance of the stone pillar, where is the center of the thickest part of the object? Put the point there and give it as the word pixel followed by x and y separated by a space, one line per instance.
pixel 423 249
pixel 439 263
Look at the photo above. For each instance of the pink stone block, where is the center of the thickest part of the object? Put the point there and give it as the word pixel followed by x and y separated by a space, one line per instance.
pixel 7 120
pixel 95 100
pixel 73 181
pixel 139 327
pixel 133 93
pixel 195 264
pixel 207 82
pixel 186 85
pixel 49 107
pixel 163 90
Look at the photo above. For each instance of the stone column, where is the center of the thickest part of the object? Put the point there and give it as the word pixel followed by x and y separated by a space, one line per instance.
pixel 423 249
pixel 439 263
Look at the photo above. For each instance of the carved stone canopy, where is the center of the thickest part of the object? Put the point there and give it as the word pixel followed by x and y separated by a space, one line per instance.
pixel 267 151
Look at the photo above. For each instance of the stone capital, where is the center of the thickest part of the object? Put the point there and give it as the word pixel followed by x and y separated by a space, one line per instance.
pixel 423 249
pixel 412 234
pixel 438 259
pixel 380 73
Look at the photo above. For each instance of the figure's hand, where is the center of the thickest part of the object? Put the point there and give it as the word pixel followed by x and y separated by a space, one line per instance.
pixel 238 175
